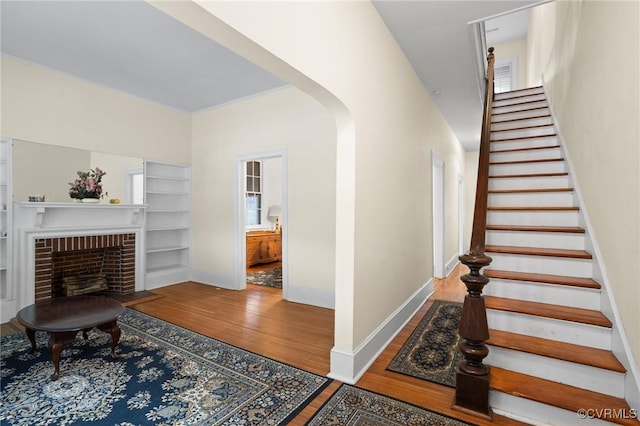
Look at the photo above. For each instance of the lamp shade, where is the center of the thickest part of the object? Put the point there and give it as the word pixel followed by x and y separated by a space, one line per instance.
pixel 274 211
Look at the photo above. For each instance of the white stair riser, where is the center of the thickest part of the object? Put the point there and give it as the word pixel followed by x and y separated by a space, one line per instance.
pixel 523 133
pixel 530 182
pixel 527 168
pixel 536 413
pixel 515 94
pixel 542 264
pixel 572 374
pixel 576 297
pixel 519 100
pixel 516 124
pixel 498 118
pixel 549 328
pixel 524 143
pixel 534 199
pixel 530 154
pixel 516 108
pixel 559 240
pixel 536 218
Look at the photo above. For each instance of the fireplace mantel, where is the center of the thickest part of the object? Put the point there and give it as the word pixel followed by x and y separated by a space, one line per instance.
pixel 35 220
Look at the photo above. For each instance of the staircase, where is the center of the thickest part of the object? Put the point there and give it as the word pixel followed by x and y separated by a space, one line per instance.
pixel 550 346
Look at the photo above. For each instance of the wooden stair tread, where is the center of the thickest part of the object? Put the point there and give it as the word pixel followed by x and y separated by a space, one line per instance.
pixel 529 175
pixel 550 135
pixel 531 117
pixel 537 251
pixel 531 148
pixel 500 97
pixel 541 160
pixel 560 395
pixel 546 310
pixel 534 208
pixel 515 112
pixel 494 106
pixel 533 228
pixel 542 278
pixel 529 190
pixel 584 355
pixel 538 126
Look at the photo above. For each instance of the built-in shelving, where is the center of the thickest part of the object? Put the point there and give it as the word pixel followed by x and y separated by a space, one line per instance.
pixel 6 201
pixel 167 194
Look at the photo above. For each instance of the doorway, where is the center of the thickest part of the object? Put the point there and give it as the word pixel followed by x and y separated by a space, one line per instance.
pixel 437 179
pixel 261 220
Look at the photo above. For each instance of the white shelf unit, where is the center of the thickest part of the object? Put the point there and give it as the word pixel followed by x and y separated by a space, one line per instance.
pixel 6 208
pixel 167 194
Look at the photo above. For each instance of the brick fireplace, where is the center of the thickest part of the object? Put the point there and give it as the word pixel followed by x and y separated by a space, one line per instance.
pixel 57 258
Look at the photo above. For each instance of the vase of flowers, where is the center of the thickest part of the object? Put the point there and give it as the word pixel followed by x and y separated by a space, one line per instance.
pixel 88 186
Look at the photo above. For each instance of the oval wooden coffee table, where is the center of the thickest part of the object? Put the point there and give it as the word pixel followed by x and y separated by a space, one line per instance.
pixel 64 317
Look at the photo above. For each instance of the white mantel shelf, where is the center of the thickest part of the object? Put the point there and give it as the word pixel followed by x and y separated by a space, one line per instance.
pixel 78 215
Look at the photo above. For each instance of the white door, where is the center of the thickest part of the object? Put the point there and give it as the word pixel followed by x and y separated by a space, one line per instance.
pixel 437 178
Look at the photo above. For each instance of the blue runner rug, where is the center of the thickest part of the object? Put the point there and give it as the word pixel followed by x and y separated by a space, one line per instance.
pixel 164 375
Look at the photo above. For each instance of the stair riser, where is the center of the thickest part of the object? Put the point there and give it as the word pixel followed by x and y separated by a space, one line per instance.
pixel 576 297
pixel 536 413
pixel 559 240
pixel 534 154
pixel 542 265
pixel 515 124
pixel 518 108
pixel 519 93
pixel 519 100
pixel 549 328
pixel 535 218
pixel 523 133
pixel 527 168
pixel 498 118
pixel 572 374
pixel 524 143
pixel 533 199
pixel 530 182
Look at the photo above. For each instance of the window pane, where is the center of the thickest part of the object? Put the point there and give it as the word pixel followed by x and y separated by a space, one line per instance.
pixel 249 184
pixel 256 185
pixel 249 168
pixel 256 168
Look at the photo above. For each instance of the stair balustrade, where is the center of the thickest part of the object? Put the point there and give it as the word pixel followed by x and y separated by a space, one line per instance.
pixel 472 377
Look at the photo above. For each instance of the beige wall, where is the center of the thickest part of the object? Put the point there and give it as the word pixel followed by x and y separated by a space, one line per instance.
pixel 395 127
pixel 40 105
pixel 286 119
pixel 517 51
pixel 592 74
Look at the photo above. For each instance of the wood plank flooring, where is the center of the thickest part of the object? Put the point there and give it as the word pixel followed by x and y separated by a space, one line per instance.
pixel 259 320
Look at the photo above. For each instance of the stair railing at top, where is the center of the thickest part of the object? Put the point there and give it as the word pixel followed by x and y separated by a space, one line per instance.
pixel 472 377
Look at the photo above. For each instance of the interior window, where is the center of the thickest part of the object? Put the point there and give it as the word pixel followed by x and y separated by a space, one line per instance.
pixel 503 77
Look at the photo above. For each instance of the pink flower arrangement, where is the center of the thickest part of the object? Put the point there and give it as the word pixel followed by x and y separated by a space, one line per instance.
pixel 88 184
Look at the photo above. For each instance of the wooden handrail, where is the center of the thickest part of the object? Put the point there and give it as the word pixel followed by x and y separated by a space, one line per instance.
pixel 472 377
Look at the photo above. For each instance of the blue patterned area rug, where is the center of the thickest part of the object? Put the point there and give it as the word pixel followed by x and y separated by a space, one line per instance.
pixel 431 352
pixel 164 375
pixel 350 405
pixel 268 277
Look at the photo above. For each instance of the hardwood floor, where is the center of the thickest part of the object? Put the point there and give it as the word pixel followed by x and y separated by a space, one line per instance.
pixel 259 320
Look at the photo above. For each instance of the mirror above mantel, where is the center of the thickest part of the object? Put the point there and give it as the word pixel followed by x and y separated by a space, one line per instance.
pixel 47 170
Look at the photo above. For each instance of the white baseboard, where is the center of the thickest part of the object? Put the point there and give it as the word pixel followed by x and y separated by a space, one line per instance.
pixel 311 296
pixel 218 280
pixel 349 367
pixel 8 310
pixel 451 264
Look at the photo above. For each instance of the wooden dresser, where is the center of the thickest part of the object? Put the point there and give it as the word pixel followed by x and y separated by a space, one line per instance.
pixel 263 247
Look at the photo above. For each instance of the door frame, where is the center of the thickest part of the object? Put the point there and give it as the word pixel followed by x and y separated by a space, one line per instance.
pixel 437 198
pixel 240 240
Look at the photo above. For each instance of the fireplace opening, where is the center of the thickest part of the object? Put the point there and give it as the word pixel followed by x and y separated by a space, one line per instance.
pixel 71 266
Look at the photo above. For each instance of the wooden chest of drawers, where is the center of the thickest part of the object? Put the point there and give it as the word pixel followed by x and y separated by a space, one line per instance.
pixel 263 247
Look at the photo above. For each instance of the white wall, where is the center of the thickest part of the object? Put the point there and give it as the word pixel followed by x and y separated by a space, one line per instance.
pixel 40 105
pixel 589 54
pixel 285 119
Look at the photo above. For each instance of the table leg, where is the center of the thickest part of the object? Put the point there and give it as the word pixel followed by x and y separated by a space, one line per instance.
pixel 31 334
pixel 113 329
pixel 56 344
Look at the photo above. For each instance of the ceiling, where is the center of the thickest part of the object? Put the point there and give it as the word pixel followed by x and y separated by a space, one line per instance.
pixel 134 48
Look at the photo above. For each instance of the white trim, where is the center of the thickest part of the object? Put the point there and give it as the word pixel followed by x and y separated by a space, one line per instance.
pixel 619 341
pixel 240 241
pixel 213 279
pixel 437 214
pixel 350 367
pixel 312 296
pixel 451 264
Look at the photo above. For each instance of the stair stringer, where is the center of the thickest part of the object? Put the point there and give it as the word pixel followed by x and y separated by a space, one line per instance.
pixel 619 342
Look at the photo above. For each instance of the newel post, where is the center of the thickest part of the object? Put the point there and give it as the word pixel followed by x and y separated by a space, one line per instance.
pixel 472 377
